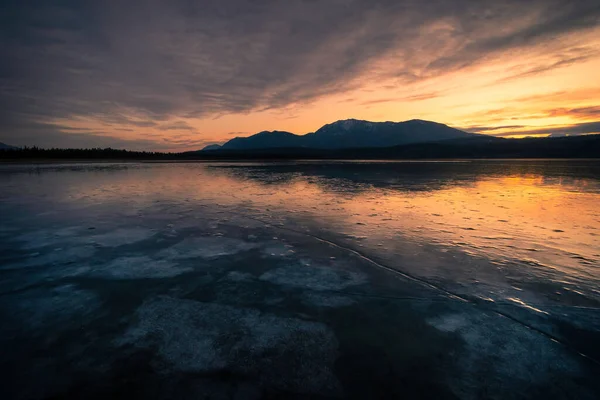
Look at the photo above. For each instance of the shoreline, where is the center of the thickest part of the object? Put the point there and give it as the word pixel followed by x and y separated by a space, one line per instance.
pixel 258 159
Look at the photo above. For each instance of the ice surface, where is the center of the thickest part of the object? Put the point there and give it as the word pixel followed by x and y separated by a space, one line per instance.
pixel 190 335
pixel 313 277
pixel 329 300
pixel 122 236
pixel 39 309
pixel 301 280
pixel 47 237
pixel 518 352
pixel 238 276
pixel 278 249
pixel 58 256
pixel 206 247
pixel 139 267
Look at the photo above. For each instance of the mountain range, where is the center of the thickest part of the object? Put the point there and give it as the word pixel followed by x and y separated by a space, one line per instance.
pixel 347 134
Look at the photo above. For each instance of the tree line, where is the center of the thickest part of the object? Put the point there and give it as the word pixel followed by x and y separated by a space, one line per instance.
pixel 91 153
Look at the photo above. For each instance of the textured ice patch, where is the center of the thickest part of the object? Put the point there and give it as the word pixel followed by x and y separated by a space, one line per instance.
pixel 56 257
pixel 122 236
pixel 278 249
pixel 40 308
pixel 287 353
pixel 237 276
pixel 520 355
pixel 326 300
pixel 206 247
pixel 139 268
pixel 449 322
pixel 47 237
pixel 318 278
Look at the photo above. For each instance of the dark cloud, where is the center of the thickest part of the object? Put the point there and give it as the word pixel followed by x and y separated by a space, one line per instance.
pixel 575 129
pixel 47 136
pixel 481 129
pixel 140 63
pixel 416 97
pixel 53 135
pixel 562 60
pixel 176 126
pixel 579 112
pixel 239 133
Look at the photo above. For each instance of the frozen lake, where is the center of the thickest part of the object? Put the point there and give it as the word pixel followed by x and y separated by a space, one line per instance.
pixel 312 279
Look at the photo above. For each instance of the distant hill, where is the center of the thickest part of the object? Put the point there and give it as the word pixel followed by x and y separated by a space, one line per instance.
pixel 4 146
pixel 264 140
pixel 350 133
pixel 212 147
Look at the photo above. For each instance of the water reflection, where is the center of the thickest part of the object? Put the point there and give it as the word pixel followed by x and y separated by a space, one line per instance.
pixel 417 176
pixel 497 208
pixel 522 231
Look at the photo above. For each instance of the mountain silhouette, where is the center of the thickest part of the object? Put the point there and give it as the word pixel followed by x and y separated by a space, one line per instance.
pixel 265 140
pixel 350 133
pixel 212 147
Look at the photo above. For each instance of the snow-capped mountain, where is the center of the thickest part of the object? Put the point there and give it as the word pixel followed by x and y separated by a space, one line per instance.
pixel 351 133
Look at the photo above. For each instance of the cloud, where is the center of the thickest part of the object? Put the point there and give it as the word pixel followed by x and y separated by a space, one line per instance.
pixel 561 130
pixel 239 133
pixel 48 136
pixel 561 60
pixel 480 129
pixel 176 126
pixel 579 112
pixel 412 98
pixel 582 114
pixel 143 63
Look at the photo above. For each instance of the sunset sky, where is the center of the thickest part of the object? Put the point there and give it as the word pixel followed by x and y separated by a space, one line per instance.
pixel 181 74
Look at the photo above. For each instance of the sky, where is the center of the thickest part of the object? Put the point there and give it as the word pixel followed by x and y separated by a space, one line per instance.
pixel 180 74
